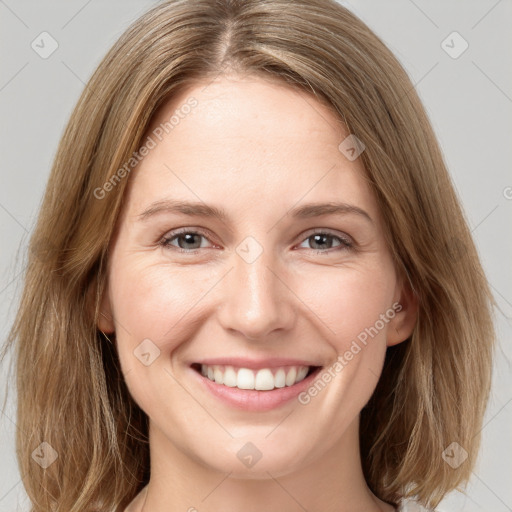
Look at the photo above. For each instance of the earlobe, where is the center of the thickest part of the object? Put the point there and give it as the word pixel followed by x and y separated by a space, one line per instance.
pixel 105 321
pixel 402 325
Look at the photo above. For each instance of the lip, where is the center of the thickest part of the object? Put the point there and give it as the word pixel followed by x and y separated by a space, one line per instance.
pixel 256 364
pixel 252 399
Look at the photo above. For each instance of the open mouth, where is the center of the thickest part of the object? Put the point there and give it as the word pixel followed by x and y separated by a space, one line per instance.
pixel 262 379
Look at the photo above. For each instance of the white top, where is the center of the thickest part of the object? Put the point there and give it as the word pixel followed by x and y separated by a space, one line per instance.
pixel 412 506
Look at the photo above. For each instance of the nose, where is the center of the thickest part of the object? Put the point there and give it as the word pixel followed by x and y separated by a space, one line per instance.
pixel 257 300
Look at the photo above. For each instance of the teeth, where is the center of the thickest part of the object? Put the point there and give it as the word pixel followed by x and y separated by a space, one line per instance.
pixel 302 372
pixel 230 378
pixel 245 379
pixel 264 379
pixel 218 376
pixel 280 378
pixel 291 376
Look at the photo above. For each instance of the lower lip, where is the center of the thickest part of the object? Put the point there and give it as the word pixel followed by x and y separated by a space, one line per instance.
pixel 252 399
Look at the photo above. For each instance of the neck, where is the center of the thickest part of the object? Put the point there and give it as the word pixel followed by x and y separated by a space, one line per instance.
pixel 331 482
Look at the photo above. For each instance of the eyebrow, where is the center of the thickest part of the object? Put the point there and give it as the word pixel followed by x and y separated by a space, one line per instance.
pixel 200 209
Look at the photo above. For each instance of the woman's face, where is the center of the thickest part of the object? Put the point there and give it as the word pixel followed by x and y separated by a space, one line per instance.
pixel 273 285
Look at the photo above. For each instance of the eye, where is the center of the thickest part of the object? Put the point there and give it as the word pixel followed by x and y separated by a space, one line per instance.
pixel 188 241
pixel 323 240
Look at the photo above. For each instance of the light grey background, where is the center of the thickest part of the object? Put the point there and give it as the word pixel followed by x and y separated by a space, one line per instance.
pixel 468 98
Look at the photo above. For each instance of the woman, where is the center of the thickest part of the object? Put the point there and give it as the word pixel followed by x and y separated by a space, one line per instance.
pixel 260 369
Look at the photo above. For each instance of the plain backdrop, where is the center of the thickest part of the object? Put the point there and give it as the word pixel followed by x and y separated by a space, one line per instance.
pixel 467 93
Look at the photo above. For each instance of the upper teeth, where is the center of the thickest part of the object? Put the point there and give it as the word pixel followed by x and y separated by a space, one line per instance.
pixel 263 379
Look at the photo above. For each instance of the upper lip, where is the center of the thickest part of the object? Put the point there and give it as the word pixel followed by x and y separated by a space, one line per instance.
pixel 256 364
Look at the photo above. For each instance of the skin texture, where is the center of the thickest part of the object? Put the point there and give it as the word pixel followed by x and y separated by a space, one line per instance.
pixel 257 149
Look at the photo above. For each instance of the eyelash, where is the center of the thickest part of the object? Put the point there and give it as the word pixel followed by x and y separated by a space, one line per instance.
pixel 345 242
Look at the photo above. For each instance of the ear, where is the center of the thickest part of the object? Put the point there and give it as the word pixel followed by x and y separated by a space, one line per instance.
pixel 105 322
pixel 406 308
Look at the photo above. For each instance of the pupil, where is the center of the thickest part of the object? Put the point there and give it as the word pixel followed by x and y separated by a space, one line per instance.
pixel 317 237
pixel 189 238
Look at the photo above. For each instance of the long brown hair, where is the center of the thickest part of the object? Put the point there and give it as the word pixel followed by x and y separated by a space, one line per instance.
pixel 70 390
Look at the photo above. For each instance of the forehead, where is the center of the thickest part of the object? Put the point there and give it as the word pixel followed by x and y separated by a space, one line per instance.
pixel 245 140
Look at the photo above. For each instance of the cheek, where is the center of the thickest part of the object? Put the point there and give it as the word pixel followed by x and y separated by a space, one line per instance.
pixel 355 311
pixel 348 302
pixel 155 309
pixel 152 302
pixel 161 302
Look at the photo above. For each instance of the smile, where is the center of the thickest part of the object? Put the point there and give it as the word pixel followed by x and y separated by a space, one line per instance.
pixel 264 379
pixel 255 389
